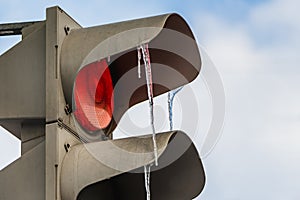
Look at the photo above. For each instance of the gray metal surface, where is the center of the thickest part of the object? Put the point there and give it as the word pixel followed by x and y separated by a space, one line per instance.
pixel 25 178
pixel 32 133
pixel 104 169
pixel 182 180
pixel 14 28
pixel 56 21
pixel 22 78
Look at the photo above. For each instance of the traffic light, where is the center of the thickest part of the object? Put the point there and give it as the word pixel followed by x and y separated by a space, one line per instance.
pixel 74 86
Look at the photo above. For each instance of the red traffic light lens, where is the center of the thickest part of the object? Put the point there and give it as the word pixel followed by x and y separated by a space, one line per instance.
pixel 93 95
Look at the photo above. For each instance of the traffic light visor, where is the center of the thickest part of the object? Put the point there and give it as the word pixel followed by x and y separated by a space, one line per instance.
pixel 99 67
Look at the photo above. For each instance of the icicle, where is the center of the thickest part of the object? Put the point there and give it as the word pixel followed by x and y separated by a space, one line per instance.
pixel 147 180
pixel 171 96
pixel 147 62
pixel 146 58
pixel 139 61
pixel 170 107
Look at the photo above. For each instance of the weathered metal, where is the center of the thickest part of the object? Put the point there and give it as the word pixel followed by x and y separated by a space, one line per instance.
pixel 37 78
pixel 174 54
pixel 14 28
pixel 114 169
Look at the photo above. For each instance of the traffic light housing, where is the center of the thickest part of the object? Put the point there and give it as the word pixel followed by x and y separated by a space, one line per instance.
pixel 77 163
pixel 173 49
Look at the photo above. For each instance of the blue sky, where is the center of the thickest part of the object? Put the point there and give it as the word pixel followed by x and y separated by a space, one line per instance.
pixel 255 48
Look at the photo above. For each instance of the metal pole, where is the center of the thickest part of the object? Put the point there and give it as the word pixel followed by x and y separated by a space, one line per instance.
pixel 14 28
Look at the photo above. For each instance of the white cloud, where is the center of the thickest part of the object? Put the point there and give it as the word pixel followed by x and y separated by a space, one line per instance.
pixel 258 60
pixel 277 13
pixel 230 47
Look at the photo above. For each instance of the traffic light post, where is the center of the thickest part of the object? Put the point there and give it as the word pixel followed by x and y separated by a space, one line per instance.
pixel 48 82
pixel 57 22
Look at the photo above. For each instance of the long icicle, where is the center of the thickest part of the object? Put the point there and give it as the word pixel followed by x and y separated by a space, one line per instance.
pixel 147 62
pixel 171 95
pixel 147 180
pixel 146 58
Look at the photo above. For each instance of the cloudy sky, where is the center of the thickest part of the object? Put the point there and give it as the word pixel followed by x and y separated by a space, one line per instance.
pixel 255 47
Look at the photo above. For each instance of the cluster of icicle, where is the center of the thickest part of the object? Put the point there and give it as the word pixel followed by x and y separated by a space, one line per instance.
pixel 143 51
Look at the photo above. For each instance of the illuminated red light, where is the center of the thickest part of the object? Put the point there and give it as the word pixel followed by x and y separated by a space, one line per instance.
pixel 93 95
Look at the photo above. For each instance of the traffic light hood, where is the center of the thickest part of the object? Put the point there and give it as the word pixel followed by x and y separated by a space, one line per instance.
pixel 114 169
pixel 174 53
